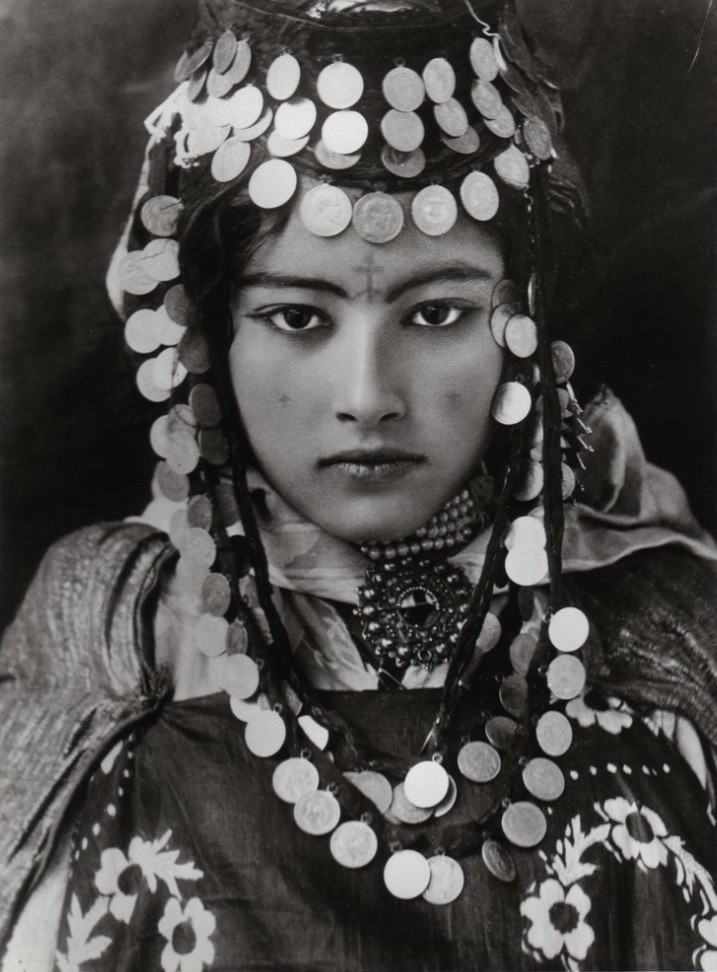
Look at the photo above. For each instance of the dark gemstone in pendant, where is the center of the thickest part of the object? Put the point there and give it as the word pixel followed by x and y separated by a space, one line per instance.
pixel 419 608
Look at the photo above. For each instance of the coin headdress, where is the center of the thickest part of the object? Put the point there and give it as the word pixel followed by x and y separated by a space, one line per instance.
pixel 366 99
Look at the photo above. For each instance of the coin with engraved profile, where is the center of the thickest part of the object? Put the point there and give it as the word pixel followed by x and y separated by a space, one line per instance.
pixel 434 210
pixel 353 844
pixel 326 210
pixel 294 777
pixel 378 217
pixel 446 881
pixel 317 813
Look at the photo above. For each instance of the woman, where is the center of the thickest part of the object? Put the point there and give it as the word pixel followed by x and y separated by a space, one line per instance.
pixel 386 698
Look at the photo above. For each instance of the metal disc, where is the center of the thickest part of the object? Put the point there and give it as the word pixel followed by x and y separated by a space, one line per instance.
pixel 246 105
pixel 216 595
pixel 446 882
pixel 182 451
pixel 147 385
pixel 158 436
pixel 213 446
pixel 210 635
pixel 434 210
pixel 486 98
pixel 403 89
pixel 451 117
pixel 499 861
pixel 318 734
pixel 160 214
pixel 500 731
pixel 340 85
pixel 511 403
pixel 353 844
pixel 406 874
pixel 566 677
pixel 294 777
pixel 141 332
pixel 524 824
pixel 344 132
pixel 479 196
pixel 205 404
pixel 521 336
pixel 334 160
pixel 403 130
pixel 326 210
pixel 174 487
pixel 198 548
pixel 512 167
pixel 522 648
pixel 197 83
pixel 284 148
pixel 178 306
pixel 466 144
pixel 218 85
pixel 448 801
pixel 194 352
pixel 506 292
pixel 537 137
pixel 563 359
pixel 499 318
pixel 543 779
pixel 317 813
pixel 257 129
pixel 282 77
pixel 230 160
pixel 160 259
pixel 554 733
pixel 133 275
pixel 239 676
pixel 224 51
pixel 483 59
pixel 426 784
pixel 378 217
pixel 374 786
pixel 295 118
pixel 503 125
pixel 514 694
pixel 239 67
pixel 531 484
pixel 404 810
pixel 479 762
pixel 439 79
pixel 246 711
pixel 406 165
pixel 170 333
pixel 525 531
pixel 568 629
pixel 489 633
pixel 272 184
pixel 265 732
pixel 526 567
pixel 237 639
pixel 198 58
pixel 569 481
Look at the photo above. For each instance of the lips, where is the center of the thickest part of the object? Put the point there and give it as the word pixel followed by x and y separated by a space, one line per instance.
pixel 372 466
pixel 371 456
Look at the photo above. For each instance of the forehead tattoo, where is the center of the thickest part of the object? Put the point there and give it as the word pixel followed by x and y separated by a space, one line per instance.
pixel 368 268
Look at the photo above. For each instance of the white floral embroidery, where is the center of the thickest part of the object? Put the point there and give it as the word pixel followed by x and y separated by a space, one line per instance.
pixel 557 920
pixel 638 833
pixel 82 946
pixel 187 931
pixel 612 719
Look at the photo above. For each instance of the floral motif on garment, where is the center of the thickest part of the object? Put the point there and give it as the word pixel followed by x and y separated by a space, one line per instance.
pixel 610 714
pixel 146 867
pixel 558 908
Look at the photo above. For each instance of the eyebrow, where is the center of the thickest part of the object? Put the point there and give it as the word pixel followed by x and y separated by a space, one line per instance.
pixel 456 271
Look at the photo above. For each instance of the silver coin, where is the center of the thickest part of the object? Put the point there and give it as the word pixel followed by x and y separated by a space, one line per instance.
pixel 230 160
pixel 326 210
pixel 486 98
pixel 403 130
pixel 554 733
pixel 334 160
pixel 210 635
pixel 569 481
pixel 146 383
pixel 178 305
pixel 194 352
pixel 182 453
pixel 543 779
pixel 506 292
pixel 265 733
pixel 141 332
pixel 479 762
pixel 479 196
pixel 406 165
pixel 403 89
pixel 295 118
pixel 378 217
pixel 434 210
pixel 451 117
pixel 224 51
pixel 170 333
pixel 205 404
pixel 448 801
pixel 283 148
pixel 237 640
pixel 133 276
pixel 512 167
pixel 514 694
pixel 216 595
pixel 198 548
pixel 197 84
pixel 339 85
pixel 537 137
pixel 317 813
pixel 426 784
pixel 406 874
pixel 239 68
pixel 405 811
pixel 446 882
pixel 178 526
pixel 439 79
pixel 466 144
pixel 158 436
pixel 213 446
pixel 563 359
pixel 522 649
pixel 499 318
pixel 272 184
pixel 483 59
pixel 174 487
pixel 218 85
pixel 489 633
pixel 203 138
pixel 160 259
pixel 245 106
pixel 293 777
pixel 239 676
pixel 524 824
pixel 525 531
pixel 199 514
pixel 257 129
pixel 168 371
pixel 511 403
pixel 521 336
pixel 160 214
pixel 246 711
pixel 503 125
pixel 282 77
pixel 198 58
pixel 499 861
pixel 318 734
pixel 566 677
pixel 532 483
pixel 526 567
pixel 500 731
pixel 568 629
pixel 353 844
pixel 374 787
pixel 344 132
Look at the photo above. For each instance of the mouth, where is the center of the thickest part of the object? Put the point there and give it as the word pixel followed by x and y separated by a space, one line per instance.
pixel 373 465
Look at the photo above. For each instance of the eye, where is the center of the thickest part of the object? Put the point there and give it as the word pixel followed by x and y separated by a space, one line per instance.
pixel 294 318
pixel 437 314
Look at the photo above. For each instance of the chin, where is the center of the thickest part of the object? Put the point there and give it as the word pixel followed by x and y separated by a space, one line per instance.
pixel 366 520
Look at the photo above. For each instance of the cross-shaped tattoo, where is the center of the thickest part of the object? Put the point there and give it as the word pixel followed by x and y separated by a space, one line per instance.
pixel 370 269
pixel 284 400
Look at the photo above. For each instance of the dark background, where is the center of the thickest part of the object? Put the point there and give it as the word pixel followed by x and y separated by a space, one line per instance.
pixel 640 88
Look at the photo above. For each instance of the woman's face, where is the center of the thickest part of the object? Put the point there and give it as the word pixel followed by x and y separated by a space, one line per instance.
pixel 364 374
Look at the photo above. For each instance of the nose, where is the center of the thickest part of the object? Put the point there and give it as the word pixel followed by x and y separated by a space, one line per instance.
pixel 368 379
